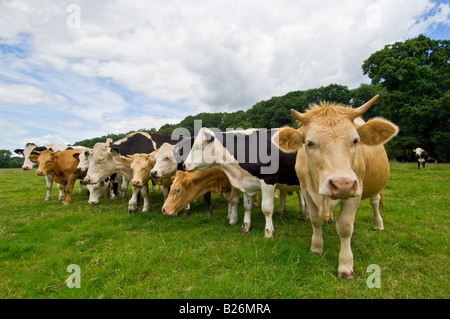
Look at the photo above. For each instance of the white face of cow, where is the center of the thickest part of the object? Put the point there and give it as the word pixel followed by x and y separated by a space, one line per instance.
pixel 102 163
pixel 206 152
pixel 96 191
pixel 83 165
pixel 165 162
pixel 26 152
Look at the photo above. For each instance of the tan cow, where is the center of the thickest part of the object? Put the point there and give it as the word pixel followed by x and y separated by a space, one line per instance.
pixel 340 157
pixel 187 187
pixel 62 165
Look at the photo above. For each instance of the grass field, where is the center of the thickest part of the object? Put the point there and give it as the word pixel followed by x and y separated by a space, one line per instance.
pixel 155 256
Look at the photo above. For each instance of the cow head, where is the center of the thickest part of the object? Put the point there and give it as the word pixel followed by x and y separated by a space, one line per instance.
pixel 141 165
pixel 207 151
pixel 97 190
pixel 45 160
pixel 102 163
pixel 165 162
pixel 26 152
pixel 83 159
pixel 331 136
pixel 179 195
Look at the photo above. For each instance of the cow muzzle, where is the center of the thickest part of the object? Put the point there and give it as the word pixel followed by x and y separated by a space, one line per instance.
pixel 338 187
pixel 26 168
pixel 40 173
pixel 136 183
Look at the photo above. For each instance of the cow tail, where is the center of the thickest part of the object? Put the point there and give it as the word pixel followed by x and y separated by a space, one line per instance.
pixel 381 203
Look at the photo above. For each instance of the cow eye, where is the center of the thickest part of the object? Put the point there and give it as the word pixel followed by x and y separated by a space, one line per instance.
pixel 355 141
pixel 310 145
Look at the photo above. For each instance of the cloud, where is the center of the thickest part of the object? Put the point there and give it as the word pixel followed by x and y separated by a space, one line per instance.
pixel 146 63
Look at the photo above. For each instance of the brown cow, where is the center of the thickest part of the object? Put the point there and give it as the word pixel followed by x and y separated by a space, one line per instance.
pixel 187 187
pixel 62 165
pixel 340 157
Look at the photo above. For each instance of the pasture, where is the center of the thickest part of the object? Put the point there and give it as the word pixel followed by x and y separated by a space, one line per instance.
pixel 155 256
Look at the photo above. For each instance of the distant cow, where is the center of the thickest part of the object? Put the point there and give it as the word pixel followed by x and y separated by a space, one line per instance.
pixel 62 165
pixel 187 187
pixel 421 156
pixel 28 164
pixel 339 157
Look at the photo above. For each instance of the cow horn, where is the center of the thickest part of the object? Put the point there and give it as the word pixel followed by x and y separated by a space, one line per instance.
pixel 363 108
pixel 297 115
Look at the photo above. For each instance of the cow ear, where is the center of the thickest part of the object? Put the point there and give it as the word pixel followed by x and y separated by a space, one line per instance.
pixel 377 131
pixel 173 178
pixel 87 153
pixel 76 155
pixel 109 141
pixel 187 183
pixel 33 158
pixel 288 139
pixel 19 151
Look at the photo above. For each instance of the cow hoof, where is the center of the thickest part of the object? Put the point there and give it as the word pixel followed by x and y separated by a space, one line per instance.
pixel 245 229
pixel 209 213
pixel 268 233
pixel 232 222
pixel 145 210
pixel 348 275
pixel 46 199
pixel 316 250
pixel 378 228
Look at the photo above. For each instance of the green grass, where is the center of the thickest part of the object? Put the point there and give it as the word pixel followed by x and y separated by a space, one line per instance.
pixel 155 256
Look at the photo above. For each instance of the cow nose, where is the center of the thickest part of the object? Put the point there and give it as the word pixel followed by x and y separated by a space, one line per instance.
pixel 342 187
pixel 92 202
pixel 163 210
pixel 40 173
pixel 87 180
pixel 154 174
pixel 25 168
pixel 135 183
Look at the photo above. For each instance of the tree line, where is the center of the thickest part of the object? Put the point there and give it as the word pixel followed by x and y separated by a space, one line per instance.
pixel 412 78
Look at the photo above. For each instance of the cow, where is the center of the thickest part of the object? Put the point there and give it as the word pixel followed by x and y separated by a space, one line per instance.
pixel 169 159
pixel 339 157
pixel 62 166
pixel 187 187
pixel 108 187
pixel 106 159
pixel 421 156
pixel 28 165
pixel 251 162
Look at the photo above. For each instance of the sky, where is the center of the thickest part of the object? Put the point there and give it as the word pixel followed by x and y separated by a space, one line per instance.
pixel 73 70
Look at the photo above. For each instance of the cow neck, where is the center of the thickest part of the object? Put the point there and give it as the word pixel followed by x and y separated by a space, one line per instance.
pixel 208 181
pixel 123 167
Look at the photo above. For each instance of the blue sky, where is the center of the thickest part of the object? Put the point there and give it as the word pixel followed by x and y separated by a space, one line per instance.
pixel 71 70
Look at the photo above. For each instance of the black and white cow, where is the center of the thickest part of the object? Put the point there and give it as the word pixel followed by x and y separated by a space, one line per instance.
pixel 421 156
pixel 251 162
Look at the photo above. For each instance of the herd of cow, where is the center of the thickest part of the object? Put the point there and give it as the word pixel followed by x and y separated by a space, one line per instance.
pixel 334 157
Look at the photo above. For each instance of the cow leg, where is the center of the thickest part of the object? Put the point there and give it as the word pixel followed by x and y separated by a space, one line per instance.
pixel 248 203
pixel 267 208
pixel 344 227
pixel 302 208
pixel 80 188
pixel 133 202
pixel 49 184
pixel 144 192
pixel 377 220
pixel 316 223
pixel 68 188
pixel 123 188
pixel 233 210
pixel 207 198
pixel 61 191
pixel 165 191
pixel 282 204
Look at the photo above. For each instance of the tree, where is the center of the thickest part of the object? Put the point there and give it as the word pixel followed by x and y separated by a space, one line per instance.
pixel 416 76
